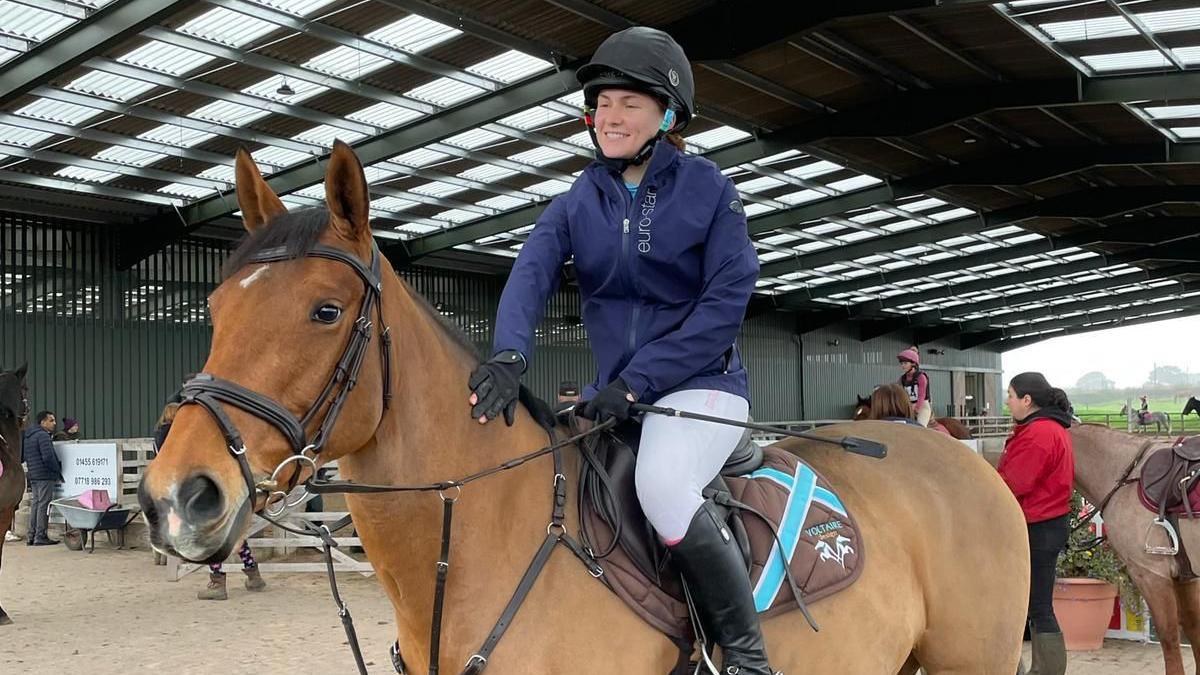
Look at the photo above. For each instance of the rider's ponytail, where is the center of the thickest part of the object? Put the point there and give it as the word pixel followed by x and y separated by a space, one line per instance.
pixel 677 141
pixel 1040 392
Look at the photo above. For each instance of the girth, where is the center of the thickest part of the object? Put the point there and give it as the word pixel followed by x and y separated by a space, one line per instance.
pixel 211 392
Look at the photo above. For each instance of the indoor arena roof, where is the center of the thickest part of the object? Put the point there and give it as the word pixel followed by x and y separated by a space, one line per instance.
pixel 999 172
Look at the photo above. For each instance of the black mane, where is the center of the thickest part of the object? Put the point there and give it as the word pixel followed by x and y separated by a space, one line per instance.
pixel 298 231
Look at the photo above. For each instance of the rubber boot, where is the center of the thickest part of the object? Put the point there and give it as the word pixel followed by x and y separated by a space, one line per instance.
pixel 715 573
pixel 215 590
pixel 254 580
pixel 1049 654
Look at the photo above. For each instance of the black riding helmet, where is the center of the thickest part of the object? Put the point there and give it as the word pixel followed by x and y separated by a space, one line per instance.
pixel 640 59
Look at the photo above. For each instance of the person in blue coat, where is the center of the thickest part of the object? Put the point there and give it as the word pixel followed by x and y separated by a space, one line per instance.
pixel 665 269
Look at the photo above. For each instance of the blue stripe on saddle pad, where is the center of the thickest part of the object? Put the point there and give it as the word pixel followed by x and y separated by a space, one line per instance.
pixel 803 490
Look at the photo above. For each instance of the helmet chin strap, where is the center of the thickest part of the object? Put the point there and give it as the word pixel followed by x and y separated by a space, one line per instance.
pixel 619 164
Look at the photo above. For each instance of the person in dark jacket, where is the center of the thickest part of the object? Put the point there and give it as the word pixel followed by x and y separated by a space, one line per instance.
pixel 70 430
pixel 665 270
pixel 1039 467
pixel 44 472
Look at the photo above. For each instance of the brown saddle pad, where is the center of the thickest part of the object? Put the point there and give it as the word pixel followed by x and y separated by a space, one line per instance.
pixel 818 540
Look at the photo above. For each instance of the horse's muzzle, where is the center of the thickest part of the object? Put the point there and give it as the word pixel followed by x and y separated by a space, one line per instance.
pixel 193 520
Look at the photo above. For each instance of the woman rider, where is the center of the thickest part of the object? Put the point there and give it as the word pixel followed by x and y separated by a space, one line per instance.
pixel 916 383
pixel 665 269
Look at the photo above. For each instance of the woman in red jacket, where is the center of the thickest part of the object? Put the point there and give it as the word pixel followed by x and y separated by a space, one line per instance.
pixel 1039 467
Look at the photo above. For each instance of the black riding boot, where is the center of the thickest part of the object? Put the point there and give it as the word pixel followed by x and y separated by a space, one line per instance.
pixel 716 575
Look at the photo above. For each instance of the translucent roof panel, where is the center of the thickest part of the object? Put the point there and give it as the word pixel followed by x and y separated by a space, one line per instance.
pixel 297 7
pixel 487 173
pixel 475 138
pixel 1088 43
pixel 346 62
pixel 86 175
pixel 278 157
pixel 182 190
pixel 420 157
pixel 325 135
pixel 384 115
pixel 57 111
pixel 533 118
pixel 130 156
pixel 30 22
pixel 227 27
pixel 541 156
pixel 232 114
pixel 170 134
pixel 510 66
pixel 715 138
pixel 444 92
pixel 25 138
pixel 413 34
pixel 109 86
pixel 165 58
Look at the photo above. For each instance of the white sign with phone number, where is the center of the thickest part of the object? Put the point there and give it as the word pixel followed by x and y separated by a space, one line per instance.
pixel 88 466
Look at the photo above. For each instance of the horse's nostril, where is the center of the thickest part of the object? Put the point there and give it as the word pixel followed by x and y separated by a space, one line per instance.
pixel 200 499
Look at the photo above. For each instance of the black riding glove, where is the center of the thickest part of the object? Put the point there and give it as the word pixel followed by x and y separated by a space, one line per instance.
pixel 613 402
pixel 496 385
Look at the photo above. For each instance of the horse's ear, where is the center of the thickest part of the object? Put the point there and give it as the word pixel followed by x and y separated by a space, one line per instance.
pixel 346 194
pixel 257 200
pixel 20 372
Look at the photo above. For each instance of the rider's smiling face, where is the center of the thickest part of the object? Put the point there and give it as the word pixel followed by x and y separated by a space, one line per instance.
pixel 625 121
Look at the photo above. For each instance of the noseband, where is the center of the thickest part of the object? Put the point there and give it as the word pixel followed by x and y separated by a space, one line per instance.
pixel 210 391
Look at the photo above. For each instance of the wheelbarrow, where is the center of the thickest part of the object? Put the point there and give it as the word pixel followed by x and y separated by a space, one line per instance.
pixel 82 522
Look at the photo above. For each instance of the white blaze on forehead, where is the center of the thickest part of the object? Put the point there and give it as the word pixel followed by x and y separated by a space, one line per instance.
pixel 245 283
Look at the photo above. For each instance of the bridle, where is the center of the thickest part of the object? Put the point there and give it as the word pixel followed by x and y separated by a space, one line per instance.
pixel 210 391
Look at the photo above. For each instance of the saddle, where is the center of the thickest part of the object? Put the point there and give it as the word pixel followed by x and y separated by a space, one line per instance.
pixel 1169 479
pixel 799 542
pixel 1167 486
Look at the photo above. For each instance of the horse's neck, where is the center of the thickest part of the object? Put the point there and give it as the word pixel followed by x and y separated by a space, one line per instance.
pixel 1100 457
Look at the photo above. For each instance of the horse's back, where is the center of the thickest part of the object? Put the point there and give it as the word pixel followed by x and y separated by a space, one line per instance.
pixel 937 525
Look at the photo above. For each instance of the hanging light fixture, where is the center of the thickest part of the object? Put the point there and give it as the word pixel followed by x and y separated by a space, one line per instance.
pixel 285 90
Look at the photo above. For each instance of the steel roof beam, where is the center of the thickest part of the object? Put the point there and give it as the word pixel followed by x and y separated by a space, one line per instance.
pixel 106 29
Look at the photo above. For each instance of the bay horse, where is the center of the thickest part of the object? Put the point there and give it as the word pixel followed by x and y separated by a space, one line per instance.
pixel 956 429
pixel 947 538
pixel 14 410
pixel 1158 419
pixel 1101 455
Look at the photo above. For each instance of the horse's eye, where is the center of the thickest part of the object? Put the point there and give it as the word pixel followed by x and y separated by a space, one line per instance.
pixel 327 314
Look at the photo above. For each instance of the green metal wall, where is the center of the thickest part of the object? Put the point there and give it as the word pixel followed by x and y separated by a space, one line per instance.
pixel 107 346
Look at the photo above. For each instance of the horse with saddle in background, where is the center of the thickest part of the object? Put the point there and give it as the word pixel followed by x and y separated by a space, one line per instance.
pixel 1148 492
pixel 1142 420
pixel 351 364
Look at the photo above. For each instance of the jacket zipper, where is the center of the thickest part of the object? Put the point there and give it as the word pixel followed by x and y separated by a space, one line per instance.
pixel 627 269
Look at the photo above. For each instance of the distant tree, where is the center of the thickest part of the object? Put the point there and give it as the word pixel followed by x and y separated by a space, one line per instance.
pixel 1094 381
pixel 1167 376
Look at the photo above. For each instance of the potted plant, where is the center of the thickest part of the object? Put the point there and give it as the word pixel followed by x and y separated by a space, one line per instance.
pixel 1089 577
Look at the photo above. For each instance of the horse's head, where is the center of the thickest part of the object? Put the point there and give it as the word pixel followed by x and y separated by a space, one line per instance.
pixel 14 406
pixel 862 409
pixel 1191 405
pixel 297 324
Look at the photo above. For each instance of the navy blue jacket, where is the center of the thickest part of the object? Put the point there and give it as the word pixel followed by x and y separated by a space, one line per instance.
pixel 38 451
pixel 664 276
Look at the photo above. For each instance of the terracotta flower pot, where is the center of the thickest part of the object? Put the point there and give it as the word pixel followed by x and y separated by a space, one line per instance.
pixel 1083 608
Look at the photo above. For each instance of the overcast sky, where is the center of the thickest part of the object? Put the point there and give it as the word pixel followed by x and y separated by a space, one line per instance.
pixel 1125 355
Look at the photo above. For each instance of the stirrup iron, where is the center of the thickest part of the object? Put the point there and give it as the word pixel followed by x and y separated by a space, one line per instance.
pixel 1173 549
